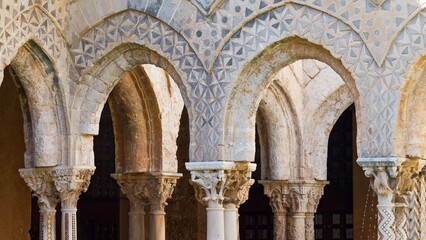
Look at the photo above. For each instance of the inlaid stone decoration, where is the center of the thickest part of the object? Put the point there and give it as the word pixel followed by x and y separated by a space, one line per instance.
pixel 225 56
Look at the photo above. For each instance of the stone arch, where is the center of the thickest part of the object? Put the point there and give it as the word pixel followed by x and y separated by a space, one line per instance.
pixel 256 77
pixel 411 133
pixel 279 134
pixel 319 128
pixel 37 82
pixel 98 83
pixel 144 141
pixel 137 133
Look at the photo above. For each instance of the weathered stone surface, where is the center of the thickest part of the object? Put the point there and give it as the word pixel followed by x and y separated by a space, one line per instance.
pixel 232 63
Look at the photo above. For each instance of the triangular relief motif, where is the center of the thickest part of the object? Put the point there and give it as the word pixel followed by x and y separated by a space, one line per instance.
pixel 377 3
pixel 207 6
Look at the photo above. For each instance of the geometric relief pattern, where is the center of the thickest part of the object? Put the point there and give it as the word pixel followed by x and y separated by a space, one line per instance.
pixel 137 27
pixel 210 33
pixel 31 24
pixel 322 29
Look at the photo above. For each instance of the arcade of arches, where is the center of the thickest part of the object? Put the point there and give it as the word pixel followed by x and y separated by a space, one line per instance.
pixel 212 119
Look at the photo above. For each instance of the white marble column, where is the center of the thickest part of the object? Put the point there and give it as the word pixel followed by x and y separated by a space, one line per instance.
pixel 391 178
pixel 236 192
pixel 209 180
pixel 41 183
pixel 70 182
pixel 143 189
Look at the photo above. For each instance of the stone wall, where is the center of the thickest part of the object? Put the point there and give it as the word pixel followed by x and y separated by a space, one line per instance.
pixel 15 197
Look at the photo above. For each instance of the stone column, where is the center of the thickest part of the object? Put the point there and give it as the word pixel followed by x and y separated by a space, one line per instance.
pixel 391 178
pixel 209 180
pixel 133 186
pixel 41 183
pixel 162 186
pixel 236 193
pixel 400 221
pixel 70 182
pixel 303 198
pixel 296 200
pixel 276 191
pixel 142 189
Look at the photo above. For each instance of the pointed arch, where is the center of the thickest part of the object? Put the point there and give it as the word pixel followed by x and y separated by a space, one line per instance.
pixel 411 130
pixel 279 134
pixel 37 81
pixel 256 77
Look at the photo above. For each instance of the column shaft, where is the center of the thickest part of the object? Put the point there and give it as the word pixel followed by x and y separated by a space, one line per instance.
pixel 280 225
pixel 298 229
pixel 158 225
pixel 136 225
pixel 310 226
pixel 231 222
pixel 69 224
pixel 47 224
pixel 215 222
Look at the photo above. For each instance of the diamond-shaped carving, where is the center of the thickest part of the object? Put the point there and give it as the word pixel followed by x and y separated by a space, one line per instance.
pixel 207 6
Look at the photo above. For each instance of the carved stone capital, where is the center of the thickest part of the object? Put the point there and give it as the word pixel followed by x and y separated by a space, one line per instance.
pixel 238 183
pixel 209 180
pixel 295 196
pixel 276 190
pixel 70 183
pixel 391 177
pixel 143 188
pixel 304 195
pixel 41 183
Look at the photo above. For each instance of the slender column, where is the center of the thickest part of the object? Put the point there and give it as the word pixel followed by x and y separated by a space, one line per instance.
pixel 70 183
pixel 310 225
pixel 209 179
pixel 133 187
pixel 142 189
pixel 412 212
pixel 236 193
pixel 304 196
pixel 391 178
pixel 276 191
pixel 41 183
pixel 162 187
pixel 400 222
pixel 297 200
pixel 422 205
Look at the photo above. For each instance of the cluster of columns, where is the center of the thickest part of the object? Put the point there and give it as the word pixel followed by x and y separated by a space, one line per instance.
pixel 398 184
pixel 222 187
pixel 64 185
pixel 294 203
pixel 147 190
pixel 54 185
